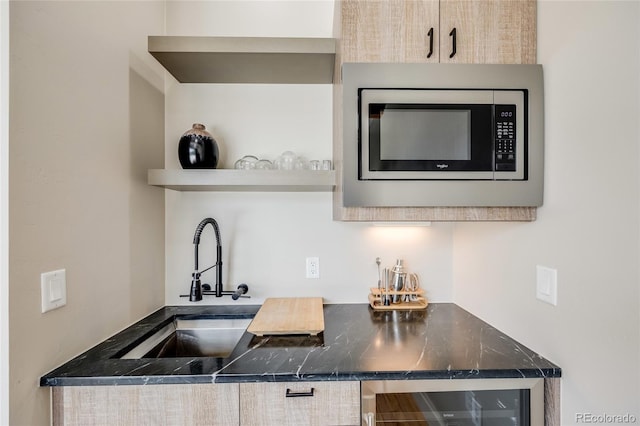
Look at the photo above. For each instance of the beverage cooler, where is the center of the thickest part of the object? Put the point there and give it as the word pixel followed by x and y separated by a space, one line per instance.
pixel 475 402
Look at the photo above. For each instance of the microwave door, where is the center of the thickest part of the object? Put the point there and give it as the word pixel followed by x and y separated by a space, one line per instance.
pixel 427 141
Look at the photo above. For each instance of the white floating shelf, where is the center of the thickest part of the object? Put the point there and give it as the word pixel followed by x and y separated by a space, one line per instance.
pixel 243 180
pixel 267 60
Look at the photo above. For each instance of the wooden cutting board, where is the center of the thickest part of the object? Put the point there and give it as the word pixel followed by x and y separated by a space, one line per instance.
pixel 288 315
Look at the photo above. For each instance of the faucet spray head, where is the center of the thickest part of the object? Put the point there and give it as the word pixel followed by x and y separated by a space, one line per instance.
pixel 195 295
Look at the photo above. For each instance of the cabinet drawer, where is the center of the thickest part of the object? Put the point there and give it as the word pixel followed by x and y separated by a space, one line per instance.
pixel 187 405
pixel 300 403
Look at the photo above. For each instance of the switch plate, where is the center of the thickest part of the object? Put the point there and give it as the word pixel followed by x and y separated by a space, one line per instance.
pixel 53 286
pixel 313 267
pixel 547 284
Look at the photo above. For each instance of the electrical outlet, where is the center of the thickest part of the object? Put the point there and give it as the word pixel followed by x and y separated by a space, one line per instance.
pixel 547 284
pixel 313 267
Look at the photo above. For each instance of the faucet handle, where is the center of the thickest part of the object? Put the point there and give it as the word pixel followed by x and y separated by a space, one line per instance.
pixel 242 289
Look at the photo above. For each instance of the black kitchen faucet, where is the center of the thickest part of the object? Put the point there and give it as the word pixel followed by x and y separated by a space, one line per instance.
pixel 197 288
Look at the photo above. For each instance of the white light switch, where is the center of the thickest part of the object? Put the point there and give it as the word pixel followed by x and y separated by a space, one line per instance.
pixel 547 284
pixel 53 287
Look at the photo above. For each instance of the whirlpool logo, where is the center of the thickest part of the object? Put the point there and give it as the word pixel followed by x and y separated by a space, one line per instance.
pixel 442 166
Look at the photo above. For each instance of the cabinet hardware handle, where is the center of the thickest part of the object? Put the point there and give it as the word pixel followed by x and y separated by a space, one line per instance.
pixel 430 34
pixel 452 34
pixel 291 394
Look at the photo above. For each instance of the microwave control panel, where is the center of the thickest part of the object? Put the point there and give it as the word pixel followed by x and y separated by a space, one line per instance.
pixel 505 138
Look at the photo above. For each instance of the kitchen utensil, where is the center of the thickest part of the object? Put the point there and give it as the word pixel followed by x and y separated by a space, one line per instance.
pixel 412 284
pixel 379 278
pixel 398 278
pixel 385 296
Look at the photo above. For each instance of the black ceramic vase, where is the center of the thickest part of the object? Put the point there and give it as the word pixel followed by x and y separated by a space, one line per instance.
pixel 197 149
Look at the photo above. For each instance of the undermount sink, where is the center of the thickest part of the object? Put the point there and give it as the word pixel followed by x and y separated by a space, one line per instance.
pixel 202 337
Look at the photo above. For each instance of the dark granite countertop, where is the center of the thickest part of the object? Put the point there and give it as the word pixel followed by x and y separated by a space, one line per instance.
pixel 443 342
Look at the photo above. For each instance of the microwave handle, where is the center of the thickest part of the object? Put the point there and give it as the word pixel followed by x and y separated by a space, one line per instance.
pixel 430 34
pixel 453 35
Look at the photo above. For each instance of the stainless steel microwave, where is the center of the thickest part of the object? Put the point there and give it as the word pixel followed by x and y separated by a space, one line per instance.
pixel 442 135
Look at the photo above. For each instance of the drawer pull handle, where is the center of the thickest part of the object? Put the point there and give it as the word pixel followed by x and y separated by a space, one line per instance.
pixel 291 394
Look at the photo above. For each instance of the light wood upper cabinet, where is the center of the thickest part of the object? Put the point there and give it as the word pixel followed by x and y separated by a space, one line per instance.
pixel 389 31
pixel 488 32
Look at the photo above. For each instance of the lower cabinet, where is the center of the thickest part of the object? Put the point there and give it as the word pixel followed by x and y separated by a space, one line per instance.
pixel 153 405
pixel 300 403
pixel 223 404
pixel 228 404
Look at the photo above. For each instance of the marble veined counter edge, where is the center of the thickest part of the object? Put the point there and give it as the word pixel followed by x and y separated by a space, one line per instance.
pixel 358 343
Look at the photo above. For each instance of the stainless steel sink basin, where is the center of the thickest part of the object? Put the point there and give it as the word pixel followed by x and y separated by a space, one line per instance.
pixel 204 337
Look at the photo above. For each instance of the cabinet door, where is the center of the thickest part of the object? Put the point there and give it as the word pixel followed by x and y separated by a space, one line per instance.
pixel 389 31
pixel 300 403
pixel 197 404
pixel 488 31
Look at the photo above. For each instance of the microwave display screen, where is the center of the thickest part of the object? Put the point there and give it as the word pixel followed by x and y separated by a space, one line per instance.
pixel 425 134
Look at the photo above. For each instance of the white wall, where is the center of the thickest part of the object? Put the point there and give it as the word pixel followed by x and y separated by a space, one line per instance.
pixel 588 227
pixel 86 122
pixel 266 236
